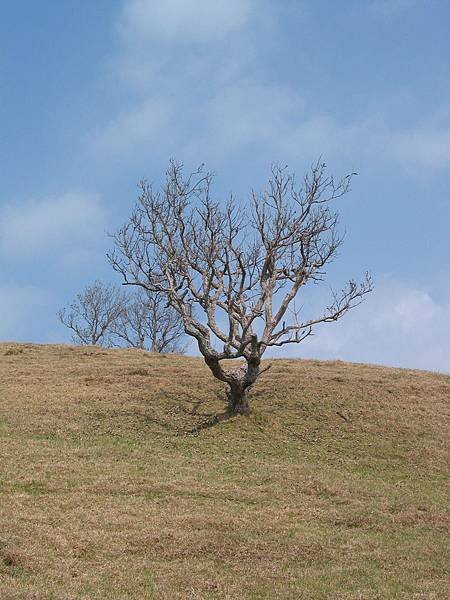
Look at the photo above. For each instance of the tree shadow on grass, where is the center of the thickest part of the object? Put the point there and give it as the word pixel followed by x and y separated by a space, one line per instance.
pixel 212 421
pixel 165 415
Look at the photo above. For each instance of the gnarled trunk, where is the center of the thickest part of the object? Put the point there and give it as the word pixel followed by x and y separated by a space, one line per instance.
pixel 238 380
pixel 237 400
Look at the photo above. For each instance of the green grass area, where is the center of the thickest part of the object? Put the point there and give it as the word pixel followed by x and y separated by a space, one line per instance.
pixel 334 487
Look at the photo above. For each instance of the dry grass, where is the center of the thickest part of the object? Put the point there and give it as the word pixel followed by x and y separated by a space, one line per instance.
pixel 334 487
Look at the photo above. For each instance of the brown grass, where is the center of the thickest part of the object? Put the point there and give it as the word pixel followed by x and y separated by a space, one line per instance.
pixel 334 487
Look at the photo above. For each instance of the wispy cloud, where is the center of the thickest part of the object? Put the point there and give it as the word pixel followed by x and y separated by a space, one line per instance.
pixel 246 112
pixel 198 92
pixel 144 124
pixel 68 224
pixel 181 21
pixel 400 324
pixel 18 304
pixel 421 146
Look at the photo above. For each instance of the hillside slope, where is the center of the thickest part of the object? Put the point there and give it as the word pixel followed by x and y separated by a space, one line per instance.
pixel 334 487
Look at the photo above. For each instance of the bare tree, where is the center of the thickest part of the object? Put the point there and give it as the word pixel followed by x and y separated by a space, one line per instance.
pixel 148 322
pixel 93 312
pixel 232 271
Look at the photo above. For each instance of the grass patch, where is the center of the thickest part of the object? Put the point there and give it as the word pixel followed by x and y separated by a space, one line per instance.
pixel 104 494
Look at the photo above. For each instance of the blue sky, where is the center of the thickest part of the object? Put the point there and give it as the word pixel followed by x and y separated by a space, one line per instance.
pixel 96 95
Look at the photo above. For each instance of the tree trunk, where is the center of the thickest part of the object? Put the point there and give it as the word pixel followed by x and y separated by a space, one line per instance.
pixel 237 400
pixel 238 381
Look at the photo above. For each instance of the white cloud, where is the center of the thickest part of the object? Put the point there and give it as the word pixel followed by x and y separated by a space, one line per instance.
pixel 145 124
pixel 175 21
pixel 422 146
pixel 249 112
pixel 399 325
pixel 246 112
pixel 214 102
pixel 274 120
pixel 18 304
pixel 69 223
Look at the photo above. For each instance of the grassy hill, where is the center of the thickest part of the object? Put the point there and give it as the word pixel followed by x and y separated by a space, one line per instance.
pixel 334 487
